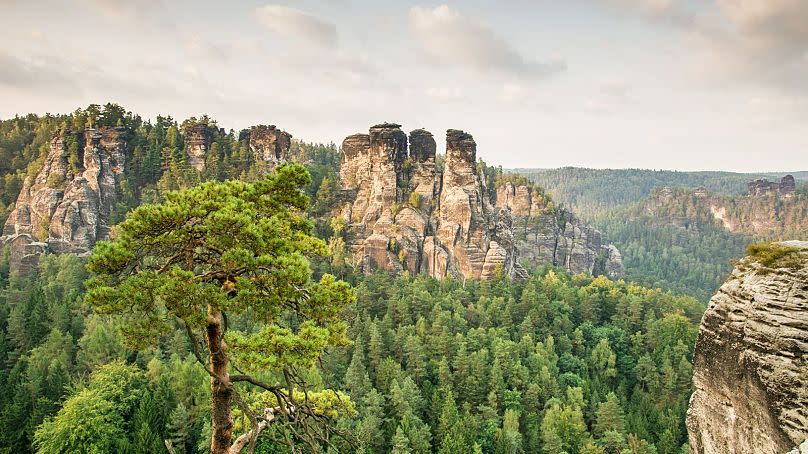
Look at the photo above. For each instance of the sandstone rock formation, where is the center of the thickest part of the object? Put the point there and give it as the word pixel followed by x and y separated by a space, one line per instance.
pixel 751 360
pixel 197 137
pixel 65 207
pixel 405 214
pixel 268 143
pixel 785 188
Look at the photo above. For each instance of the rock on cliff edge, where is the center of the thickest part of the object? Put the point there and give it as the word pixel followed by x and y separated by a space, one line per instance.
pixel 405 214
pixel 751 359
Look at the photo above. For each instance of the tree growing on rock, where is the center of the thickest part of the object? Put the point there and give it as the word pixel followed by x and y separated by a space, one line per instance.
pixel 231 251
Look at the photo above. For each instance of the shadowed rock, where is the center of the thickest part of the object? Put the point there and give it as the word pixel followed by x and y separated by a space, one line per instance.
pixel 750 360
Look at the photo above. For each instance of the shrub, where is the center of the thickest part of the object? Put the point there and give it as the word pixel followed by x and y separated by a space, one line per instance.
pixel 775 255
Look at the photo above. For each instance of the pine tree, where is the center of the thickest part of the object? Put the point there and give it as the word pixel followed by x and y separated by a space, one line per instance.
pixel 179 428
pixel 610 416
pixel 449 417
pixel 401 444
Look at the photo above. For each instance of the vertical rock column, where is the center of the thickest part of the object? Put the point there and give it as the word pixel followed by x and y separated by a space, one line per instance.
pixel 462 216
pixel 197 143
pixel 268 143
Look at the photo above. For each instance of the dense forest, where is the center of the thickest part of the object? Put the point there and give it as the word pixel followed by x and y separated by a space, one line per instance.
pixel 556 364
pixel 595 192
pixel 678 245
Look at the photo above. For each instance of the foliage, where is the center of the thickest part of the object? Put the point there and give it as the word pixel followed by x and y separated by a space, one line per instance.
pixel 226 248
pixel 775 255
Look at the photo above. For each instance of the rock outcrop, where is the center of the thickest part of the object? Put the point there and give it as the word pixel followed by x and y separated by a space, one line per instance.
pixel 267 143
pixel 65 207
pixel 546 235
pixel 198 137
pixel 404 214
pixel 751 360
pixel 785 188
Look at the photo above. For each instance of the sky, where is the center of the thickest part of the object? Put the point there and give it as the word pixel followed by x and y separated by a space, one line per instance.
pixel 662 84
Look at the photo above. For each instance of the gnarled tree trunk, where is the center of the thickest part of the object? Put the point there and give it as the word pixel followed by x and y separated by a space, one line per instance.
pixel 221 390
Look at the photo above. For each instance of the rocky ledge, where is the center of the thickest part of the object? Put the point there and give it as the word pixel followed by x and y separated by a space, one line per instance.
pixel 751 358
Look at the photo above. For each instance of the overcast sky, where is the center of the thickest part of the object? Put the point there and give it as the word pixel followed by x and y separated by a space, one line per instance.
pixel 674 84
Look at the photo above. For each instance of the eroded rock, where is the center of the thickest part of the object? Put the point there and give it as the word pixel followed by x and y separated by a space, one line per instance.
pixel 66 206
pixel 405 215
pixel 751 361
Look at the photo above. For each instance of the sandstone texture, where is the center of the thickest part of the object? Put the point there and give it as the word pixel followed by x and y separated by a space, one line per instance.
pixel 751 361
pixel 65 207
pixel 405 214
pixel 267 143
pixel 198 137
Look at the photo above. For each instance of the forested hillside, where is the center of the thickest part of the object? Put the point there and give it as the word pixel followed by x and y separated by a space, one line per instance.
pixel 595 192
pixel 555 363
pixel 678 244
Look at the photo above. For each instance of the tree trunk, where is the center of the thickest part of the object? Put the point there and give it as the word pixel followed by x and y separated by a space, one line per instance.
pixel 221 392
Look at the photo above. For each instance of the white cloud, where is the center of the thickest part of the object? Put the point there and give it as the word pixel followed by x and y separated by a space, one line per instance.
pixel 770 25
pixel 294 23
pixel 512 92
pixel 764 42
pixel 448 37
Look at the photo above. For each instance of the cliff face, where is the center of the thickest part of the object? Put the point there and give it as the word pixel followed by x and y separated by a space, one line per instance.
pixel 544 235
pixel 750 369
pixel 769 213
pixel 65 207
pixel 198 137
pixel 405 215
pixel 785 188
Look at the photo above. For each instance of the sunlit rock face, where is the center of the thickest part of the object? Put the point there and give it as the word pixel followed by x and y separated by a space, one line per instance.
pixel 750 363
pixel 405 214
pixel 66 206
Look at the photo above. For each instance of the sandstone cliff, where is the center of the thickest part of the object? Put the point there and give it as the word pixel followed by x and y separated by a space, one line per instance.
pixel 772 214
pixel 65 207
pixel 267 143
pixel 751 358
pixel 405 214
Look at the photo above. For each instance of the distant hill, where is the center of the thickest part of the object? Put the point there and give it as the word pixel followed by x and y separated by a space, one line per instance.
pixel 593 192
pixel 673 238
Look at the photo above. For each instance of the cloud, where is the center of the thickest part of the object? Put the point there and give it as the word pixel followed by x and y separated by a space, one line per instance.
pixel 610 96
pixel 294 23
pixel 770 25
pixel 764 42
pixel 33 73
pixel 676 12
pixel 448 37
pixel 122 9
